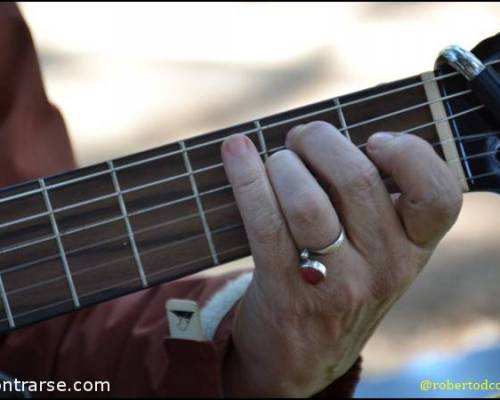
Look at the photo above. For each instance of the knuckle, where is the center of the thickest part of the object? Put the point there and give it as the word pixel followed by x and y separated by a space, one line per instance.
pixel 444 203
pixel 361 177
pixel 248 181
pixel 315 130
pixel 408 141
pixel 279 156
pixel 318 126
pixel 309 131
pixel 307 209
pixel 350 297
pixel 272 227
pixel 397 271
pixel 385 286
pixel 447 206
pixel 405 146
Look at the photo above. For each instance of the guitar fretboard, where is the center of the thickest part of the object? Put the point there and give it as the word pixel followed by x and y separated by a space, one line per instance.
pixel 90 235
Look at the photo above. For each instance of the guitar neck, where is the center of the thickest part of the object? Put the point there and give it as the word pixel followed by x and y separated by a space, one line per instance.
pixel 96 233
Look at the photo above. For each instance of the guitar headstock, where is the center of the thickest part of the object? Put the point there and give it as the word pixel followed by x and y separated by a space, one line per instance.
pixel 476 133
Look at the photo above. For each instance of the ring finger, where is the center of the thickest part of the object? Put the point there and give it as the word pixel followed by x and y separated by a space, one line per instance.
pixel 313 221
pixel 310 215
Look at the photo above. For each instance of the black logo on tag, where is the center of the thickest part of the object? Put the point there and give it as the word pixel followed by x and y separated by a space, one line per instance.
pixel 183 319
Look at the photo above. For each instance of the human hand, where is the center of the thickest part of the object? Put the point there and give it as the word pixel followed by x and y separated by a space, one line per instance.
pixel 292 338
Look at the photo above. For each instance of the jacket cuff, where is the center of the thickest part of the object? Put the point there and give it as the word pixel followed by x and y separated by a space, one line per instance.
pixel 195 368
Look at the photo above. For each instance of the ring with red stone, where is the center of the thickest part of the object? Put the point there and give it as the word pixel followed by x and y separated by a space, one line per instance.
pixel 313 271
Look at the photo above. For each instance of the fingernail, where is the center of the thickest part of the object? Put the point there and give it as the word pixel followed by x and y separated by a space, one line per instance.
pixel 378 140
pixel 292 134
pixel 237 145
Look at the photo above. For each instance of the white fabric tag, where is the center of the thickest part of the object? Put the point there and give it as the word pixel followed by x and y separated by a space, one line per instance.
pixel 184 320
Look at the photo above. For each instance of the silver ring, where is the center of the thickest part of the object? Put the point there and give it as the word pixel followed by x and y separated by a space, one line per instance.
pixel 314 271
pixel 331 248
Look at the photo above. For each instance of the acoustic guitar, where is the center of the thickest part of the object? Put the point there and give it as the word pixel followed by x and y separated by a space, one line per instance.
pixel 90 235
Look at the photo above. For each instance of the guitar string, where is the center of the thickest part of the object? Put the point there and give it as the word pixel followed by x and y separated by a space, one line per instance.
pixel 117 238
pixel 140 231
pixel 186 174
pixel 157 248
pixel 201 170
pixel 180 200
pixel 124 282
pixel 144 230
pixel 166 204
pixel 137 232
pixel 121 283
pixel 216 141
pixel 440 142
pixel 255 130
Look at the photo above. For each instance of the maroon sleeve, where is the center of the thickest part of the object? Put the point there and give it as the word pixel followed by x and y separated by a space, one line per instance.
pixel 33 137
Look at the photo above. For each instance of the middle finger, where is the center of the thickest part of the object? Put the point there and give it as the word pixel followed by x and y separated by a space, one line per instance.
pixel 352 181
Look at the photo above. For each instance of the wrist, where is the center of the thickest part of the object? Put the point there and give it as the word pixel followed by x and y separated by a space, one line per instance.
pixel 271 365
pixel 242 379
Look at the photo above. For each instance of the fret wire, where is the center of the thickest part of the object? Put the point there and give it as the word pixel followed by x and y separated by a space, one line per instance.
pixel 57 237
pixel 97 224
pixel 6 304
pixel 183 240
pixel 199 205
pixel 460 145
pixel 16 247
pixel 142 211
pixel 371 97
pixel 469 138
pixel 262 140
pixel 404 110
pixel 456 159
pixel 342 120
pixel 86 270
pixel 452 117
pixel 179 266
pixel 473 156
pixel 149 251
pixel 113 239
pixel 182 199
pixel 354 102
pixel 484 175
pixel 123 208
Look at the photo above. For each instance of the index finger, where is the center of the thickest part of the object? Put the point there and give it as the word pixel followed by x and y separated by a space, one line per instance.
pixel 267 232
